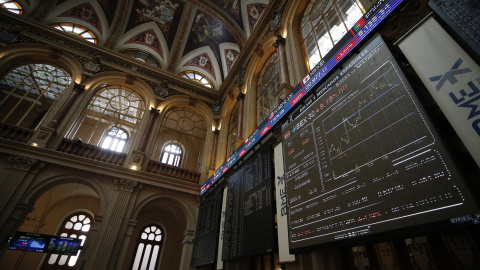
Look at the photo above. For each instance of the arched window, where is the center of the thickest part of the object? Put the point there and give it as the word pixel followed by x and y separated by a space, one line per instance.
pixel 75 226
pixel 172 154
pixel 28 92
pixel 142 56
pixel 196 77
pixel 268 85
pixel 115 106
pixel 12 6
pixel 187 130
pixel 77 30
pixel 115 139
pixel 149 246
pixel 324 23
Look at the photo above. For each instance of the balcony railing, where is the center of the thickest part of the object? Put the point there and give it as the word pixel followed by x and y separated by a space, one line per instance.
pixel 15 133
pixel 172 171
pixel 78 148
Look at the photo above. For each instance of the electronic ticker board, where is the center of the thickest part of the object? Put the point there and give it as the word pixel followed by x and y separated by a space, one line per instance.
pixel 207 230
pixel 361 157
pixel 249 215
pixel 377 13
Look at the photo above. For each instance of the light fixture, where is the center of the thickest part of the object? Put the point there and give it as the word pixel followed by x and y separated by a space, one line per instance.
pixel 133 167
pixel 34 144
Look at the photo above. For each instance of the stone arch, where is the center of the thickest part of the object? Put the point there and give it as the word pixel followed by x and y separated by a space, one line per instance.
pixel 202 110
pixel 251 81
pixel 36 191
pixel 105 79
pixel 189 211
pixel 11 55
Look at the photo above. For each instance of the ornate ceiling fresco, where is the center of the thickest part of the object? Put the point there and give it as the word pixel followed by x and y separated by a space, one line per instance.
pixel 200 36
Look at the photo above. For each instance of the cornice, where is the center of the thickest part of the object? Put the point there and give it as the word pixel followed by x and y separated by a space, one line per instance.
pixel 80 163
pixel 47 35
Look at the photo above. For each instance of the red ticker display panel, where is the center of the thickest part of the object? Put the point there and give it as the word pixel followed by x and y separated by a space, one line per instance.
pixel 361 157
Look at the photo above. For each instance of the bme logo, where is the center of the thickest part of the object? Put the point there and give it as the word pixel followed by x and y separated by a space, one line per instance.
pixel 464 95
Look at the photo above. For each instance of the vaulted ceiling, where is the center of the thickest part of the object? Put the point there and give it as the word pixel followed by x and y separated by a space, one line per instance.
pixel 203 36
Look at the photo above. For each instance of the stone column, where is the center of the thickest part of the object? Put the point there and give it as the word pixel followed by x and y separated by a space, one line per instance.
pixel 214 149
pixel 15 220
pixel 187 249
pixel 14 184
pixel 282 60
pixel 139 154
pixel 43 134
pixel 77 90
pixel 126 240
pixel 240 100
pixel 148 130
pixel 107 243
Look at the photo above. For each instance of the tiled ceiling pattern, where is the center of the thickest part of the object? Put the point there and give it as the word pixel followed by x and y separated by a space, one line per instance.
pixel 203 36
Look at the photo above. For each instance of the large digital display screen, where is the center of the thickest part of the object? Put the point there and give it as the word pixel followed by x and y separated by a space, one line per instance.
pixel 249 214
pixel 34 242
pixel 208 228
pixel 377 13
pixel 361 157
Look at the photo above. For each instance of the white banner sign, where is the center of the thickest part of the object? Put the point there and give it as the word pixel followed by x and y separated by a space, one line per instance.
pixel 222 224
pixel 451 76
pixel 283 247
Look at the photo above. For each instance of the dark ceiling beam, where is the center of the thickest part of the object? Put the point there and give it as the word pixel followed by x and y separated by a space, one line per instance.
pixel 118 23
pixel 180 37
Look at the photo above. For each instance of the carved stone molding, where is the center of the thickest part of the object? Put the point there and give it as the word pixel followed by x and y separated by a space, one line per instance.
pixel 24 164
pixel 127 185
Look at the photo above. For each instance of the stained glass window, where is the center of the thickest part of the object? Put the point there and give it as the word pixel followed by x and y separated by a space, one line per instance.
pixel 115 106
pixel 149 246
pixel 324 23
pixel 142 56
pixel 78 30
pixel 28 92
pixel 12 6
pixel 197 77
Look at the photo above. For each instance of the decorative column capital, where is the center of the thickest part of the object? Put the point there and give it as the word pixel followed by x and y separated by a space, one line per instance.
pixel 189 235
pixel 127 185
pixel 24 164
pixel 154 112
pixel 78 88
pixel 280 41
pixel 241 96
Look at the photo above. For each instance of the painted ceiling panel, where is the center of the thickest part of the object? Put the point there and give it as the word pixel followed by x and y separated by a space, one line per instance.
pixel 232 8
pixel 230 56
pixel 166 13
pixel 207 31
pixel 86 13
pixel 149 39
pixel 254 12
pixel 202 61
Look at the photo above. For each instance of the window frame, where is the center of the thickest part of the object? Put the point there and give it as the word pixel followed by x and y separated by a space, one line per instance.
pixel 177 158
pixel 69 232
pixel 145 243
pixel 33 83
pixel 18 10
pixel 115 141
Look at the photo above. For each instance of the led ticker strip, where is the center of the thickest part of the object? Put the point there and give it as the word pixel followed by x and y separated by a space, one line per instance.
pixel 364 26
